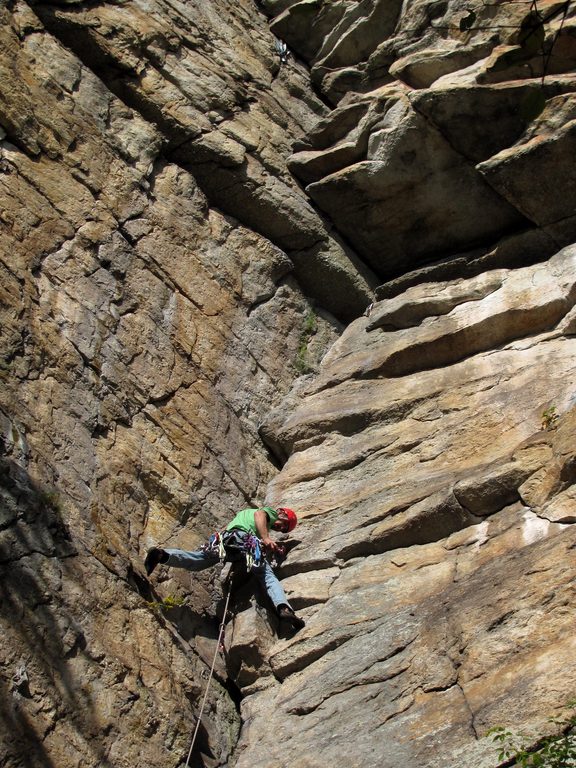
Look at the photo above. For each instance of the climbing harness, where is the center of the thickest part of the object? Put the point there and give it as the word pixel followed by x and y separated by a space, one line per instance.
pixel 235 545
pixel 231 546
pixel 217 649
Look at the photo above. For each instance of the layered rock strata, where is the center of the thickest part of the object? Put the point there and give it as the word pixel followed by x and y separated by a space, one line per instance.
pixel 450 123
pixel 186 223
pixel 436 560
pixel 143 333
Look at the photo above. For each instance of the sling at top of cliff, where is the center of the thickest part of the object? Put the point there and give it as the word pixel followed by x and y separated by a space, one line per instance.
pixel 311 253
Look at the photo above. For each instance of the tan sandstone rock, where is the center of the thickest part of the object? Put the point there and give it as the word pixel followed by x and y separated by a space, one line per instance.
pixel 170 353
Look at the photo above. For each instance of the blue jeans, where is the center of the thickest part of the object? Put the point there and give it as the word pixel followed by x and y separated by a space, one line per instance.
pixel 199 561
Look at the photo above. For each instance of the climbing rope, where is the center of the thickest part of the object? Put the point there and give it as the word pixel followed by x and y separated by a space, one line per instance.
pixel 220 634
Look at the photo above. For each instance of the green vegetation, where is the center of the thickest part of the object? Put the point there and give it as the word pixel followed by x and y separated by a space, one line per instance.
pixel 557 751
pixel 550 418
pixel 302 362
pixel 171 601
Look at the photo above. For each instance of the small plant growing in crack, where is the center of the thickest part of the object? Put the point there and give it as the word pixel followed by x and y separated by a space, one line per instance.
pixel 51 499
pixel 550 418
pixel 171 601
pixel 302 362
pixel 556 751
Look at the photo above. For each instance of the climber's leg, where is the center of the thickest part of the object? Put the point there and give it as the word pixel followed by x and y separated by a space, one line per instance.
pixel 179 558
pixel 275 592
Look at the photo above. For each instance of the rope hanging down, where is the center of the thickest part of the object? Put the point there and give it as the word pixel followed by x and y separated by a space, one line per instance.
pixel 209 677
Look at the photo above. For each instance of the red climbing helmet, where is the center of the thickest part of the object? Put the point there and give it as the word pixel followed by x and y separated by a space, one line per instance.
pixel 291 515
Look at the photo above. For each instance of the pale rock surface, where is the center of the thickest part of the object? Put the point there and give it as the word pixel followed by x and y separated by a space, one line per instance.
pixel 439 510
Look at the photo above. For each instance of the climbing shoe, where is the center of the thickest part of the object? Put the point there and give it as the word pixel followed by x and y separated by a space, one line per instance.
pixel 286 613
pixel 154 557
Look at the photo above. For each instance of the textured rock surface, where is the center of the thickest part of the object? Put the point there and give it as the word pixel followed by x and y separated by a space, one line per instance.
pixel 436 563
pixel 442 139
pixel 211 83
pixel 183 216
pixel 133 317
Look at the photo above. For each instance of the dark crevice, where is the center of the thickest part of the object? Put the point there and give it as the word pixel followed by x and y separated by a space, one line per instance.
pixel 534 246
pixel 234 692
pixel 11 137
pixel 500 621
pixel 276 457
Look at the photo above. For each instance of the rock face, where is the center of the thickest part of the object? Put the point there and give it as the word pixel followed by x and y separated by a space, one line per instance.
pixel 194 221
pixel 433 147
pixel 143 333
pixel 436 558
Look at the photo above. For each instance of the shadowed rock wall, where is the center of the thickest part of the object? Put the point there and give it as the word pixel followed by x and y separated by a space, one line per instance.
pixel 188 219
pixel 440 112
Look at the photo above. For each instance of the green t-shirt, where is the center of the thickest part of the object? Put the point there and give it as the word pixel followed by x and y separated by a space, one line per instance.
pixel 244 520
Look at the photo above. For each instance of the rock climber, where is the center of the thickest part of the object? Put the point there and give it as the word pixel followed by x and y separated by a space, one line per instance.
pixel 249 534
